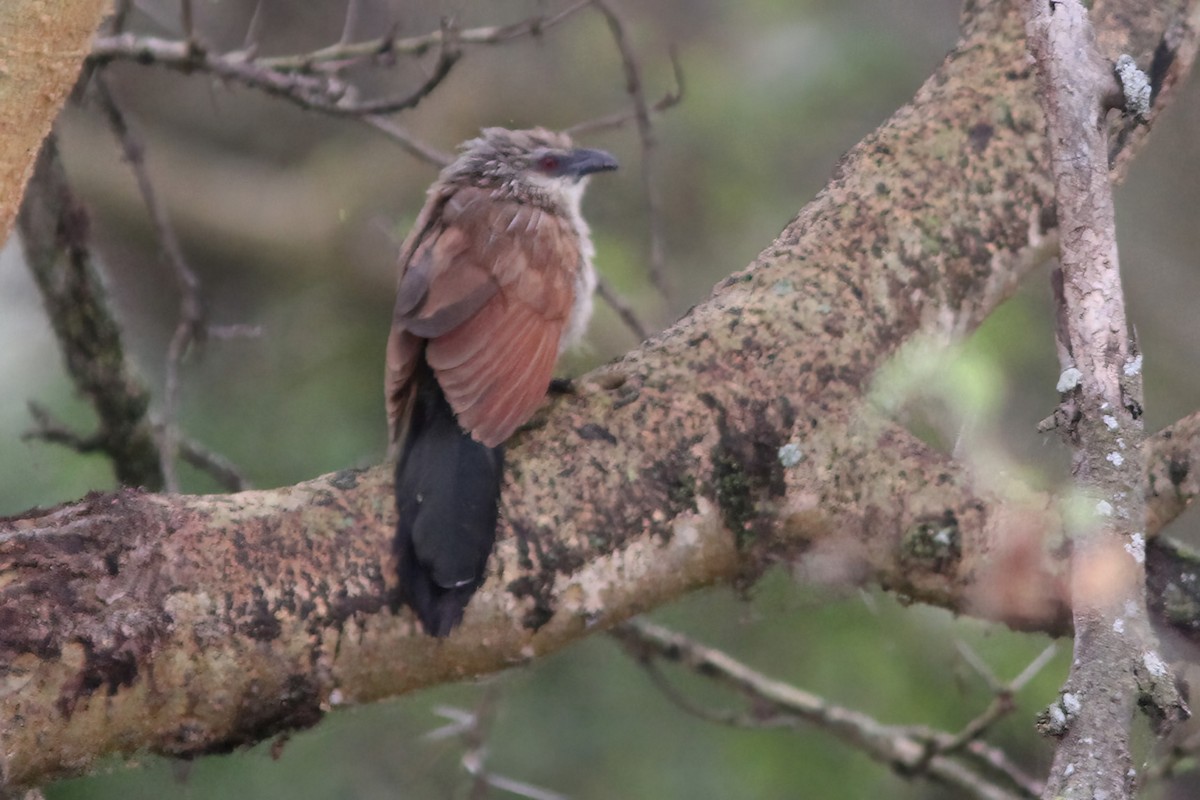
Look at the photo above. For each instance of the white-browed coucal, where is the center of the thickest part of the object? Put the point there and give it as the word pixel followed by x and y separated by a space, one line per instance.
pixel 496 281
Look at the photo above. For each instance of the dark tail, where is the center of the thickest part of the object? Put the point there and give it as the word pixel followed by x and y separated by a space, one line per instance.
pixel 447 493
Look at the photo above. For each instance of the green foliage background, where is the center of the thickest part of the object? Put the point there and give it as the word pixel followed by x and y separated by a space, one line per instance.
pixel 292 220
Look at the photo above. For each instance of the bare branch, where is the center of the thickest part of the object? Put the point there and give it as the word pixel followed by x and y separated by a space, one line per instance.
pixel 666 102
pixel 474 729
pixel 1116 667
pixel 351 22
pixel 634 86
pixel 54 235
pixel 624 310
pixel 420 45
pixel 413 146
pixel 185 20
pixel 268 605
pixel 322 93
pixel 890 744
pixel 254 29
pixel 303 79
pixel 226 473
pixel 190 329
pixel 1001 706
pixel 48 428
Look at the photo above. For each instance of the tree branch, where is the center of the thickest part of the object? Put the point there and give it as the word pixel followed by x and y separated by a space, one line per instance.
pixel 778 704
pixel 737 439
pixel 190 327
pixel 641 113
pixel 310 79
pixel 54 235
pixel 1116 667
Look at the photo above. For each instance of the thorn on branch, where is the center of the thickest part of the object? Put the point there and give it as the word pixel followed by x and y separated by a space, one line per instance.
pixel 253 29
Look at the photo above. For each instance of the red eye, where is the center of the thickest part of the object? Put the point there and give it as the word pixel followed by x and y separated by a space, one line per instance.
pixel 548 163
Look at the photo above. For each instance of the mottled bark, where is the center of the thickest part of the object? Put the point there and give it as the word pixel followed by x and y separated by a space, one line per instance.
pixel 1116 666
pixel 42 45
pixel 737 439
pixel 54 237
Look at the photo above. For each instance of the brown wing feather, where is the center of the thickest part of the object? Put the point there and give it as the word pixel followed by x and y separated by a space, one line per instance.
pixel 502 383
pixel 485 292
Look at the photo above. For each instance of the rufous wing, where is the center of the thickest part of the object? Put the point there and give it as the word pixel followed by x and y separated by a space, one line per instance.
pixel 489 285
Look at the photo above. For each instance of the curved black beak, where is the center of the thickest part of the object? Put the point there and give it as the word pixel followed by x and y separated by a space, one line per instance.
pixel 583 161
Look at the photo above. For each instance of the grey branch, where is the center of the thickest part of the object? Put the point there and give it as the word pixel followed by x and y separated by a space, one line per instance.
pixel 310 79
pixel 54 235
pixel 778 704
pixel 1116 667
pixel 190 328
pixel 634 85
pixel 188 625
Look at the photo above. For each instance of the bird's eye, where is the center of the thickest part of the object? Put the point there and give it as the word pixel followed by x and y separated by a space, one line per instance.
pixel 548 163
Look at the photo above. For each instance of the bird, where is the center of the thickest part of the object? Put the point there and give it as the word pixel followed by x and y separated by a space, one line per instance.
pixel 495 282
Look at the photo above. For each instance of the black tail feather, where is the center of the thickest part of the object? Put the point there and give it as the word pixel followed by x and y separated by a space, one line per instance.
pixel 447 495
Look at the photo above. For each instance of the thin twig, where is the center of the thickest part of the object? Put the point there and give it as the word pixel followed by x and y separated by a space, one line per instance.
pixel 413 146
pixel 189 329
pixel 420 45
pixel 350 23
pixel 623 309
pixel 116 22
pixel 473 728
pixel 615 120
pixel 980 666
pixel 1002 701
pixel 1033 668
pixel 322 93
pixel 896 746
pixel 633 85
pixel 47 428
pixel 677 698
pixel 253 29
pixel 186 20
pixel 175 54
pixel 227 474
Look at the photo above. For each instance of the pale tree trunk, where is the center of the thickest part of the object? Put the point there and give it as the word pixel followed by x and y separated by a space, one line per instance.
pixel 739 438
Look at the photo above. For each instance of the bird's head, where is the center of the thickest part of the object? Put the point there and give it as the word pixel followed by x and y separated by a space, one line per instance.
pixel 535 165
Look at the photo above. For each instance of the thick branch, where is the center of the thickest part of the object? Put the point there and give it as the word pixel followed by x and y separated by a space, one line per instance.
pixel 736 439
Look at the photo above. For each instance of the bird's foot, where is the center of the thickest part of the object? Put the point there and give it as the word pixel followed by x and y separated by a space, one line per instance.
pixel 561 386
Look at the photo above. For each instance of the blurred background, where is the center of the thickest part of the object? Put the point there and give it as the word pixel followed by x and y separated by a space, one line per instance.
pixel 292 219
